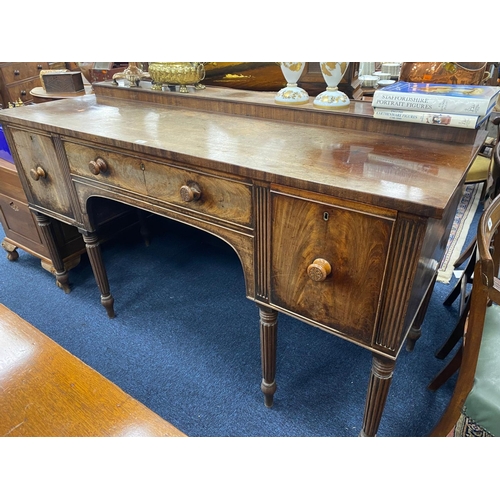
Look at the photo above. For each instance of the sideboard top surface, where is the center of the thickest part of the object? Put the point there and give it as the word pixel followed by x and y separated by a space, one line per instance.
pixel 412 175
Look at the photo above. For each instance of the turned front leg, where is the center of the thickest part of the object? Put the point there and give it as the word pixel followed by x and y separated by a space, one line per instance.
pixel 268 337
pixel 94 252
pixel 62 277
pixel 378 388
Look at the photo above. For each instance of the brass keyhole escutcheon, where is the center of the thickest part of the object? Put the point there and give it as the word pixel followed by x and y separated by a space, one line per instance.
pixel 37 172
pixel 97 166
pixel 190 192
pixel 319 270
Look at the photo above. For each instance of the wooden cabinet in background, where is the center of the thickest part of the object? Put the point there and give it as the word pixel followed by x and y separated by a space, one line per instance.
pixel 17 79
pixel 21 229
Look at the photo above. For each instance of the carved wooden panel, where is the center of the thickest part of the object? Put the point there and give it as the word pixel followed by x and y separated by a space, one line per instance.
pixel 408 237
pixel 262 243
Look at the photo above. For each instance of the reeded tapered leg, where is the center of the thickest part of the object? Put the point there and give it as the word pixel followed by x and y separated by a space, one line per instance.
pixel 268 337
pixel 95 257
pixel 62 277
pixel 378 388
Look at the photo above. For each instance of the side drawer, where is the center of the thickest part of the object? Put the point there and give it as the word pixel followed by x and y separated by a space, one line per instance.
pixel 46 185
pixel 328 263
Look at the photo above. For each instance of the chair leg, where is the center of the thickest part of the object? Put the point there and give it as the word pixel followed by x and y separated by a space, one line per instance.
pixel 469 250
pixel 447 371
pixel 456 334
pixel 468 271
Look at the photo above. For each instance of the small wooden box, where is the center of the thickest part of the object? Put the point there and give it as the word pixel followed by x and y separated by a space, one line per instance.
pixel 69 82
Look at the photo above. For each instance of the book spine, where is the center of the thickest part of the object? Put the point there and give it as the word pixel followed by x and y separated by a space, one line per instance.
pixel 430 103
pixel 441 119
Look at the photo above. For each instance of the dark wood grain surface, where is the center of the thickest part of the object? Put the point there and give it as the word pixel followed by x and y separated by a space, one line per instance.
pixel 402 173
pixel 339 219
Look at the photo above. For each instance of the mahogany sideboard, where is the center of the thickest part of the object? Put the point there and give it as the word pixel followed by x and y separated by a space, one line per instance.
pixel 338 219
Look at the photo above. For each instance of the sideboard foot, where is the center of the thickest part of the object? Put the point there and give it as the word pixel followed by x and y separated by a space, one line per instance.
pixel 95 258
pixel 268 337
pixel 108 303
pixel 378 388
pixel 268 390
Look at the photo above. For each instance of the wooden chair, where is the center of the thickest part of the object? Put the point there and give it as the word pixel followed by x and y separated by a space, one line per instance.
pixel 490 190
pixel 474 408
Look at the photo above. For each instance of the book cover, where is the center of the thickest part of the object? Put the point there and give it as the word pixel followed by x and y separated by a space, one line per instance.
pixel 428 118
pixel 434 97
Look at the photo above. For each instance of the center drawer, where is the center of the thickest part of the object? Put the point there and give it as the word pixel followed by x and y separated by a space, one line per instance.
pixel 219 197
pixel 106 166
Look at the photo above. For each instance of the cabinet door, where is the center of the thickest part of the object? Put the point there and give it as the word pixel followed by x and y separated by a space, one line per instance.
pixel 328 263
pixel 47 187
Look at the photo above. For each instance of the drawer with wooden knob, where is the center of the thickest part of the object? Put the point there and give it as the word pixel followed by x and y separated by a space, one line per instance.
pixel 21 91
pixel 229 199
pixel 40 166
pixel 106 166
pixel 226 198
pixel 329 262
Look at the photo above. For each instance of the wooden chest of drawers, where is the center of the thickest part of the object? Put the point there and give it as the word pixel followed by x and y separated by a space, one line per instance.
pixel 17 79
pixel 21 229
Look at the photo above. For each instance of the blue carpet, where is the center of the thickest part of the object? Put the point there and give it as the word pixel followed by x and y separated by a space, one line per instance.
pixel 185 342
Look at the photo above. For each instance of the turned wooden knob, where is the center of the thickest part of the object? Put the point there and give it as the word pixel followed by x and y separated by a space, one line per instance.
pixel 190 192
pixel 319 270
pixel 37 172
pixel 97 166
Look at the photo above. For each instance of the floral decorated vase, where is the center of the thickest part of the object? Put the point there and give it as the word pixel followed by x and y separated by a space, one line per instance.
pixel 332 98
pixel 292 93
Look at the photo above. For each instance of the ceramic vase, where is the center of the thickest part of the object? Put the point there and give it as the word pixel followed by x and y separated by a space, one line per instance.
pixel 292 93
pixel 332 98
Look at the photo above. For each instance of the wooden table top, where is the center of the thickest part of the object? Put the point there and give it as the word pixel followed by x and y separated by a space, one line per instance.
pixel 417 176
pixel 46 391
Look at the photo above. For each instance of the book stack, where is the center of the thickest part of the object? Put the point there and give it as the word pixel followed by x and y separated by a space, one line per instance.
pixel 463 106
